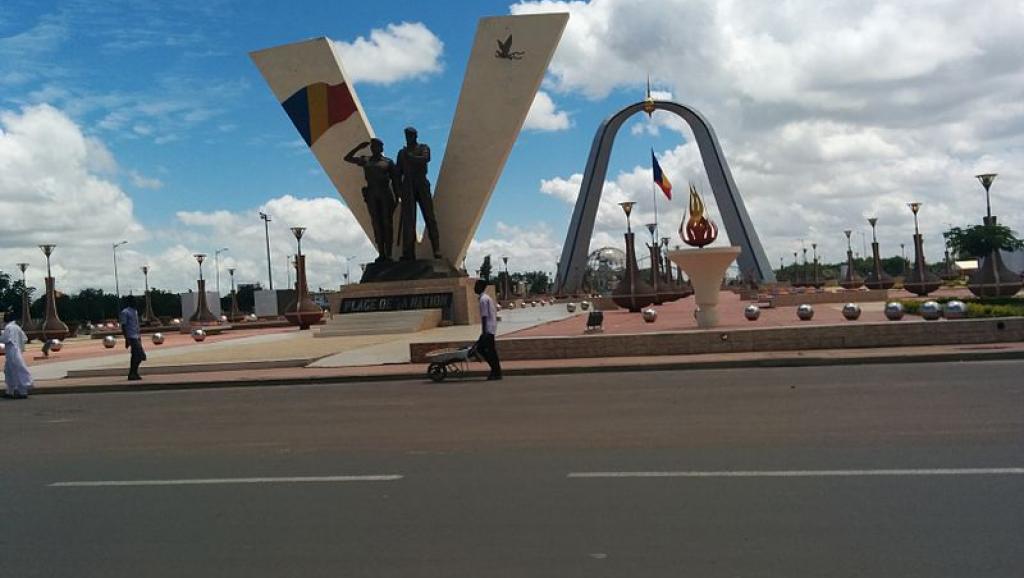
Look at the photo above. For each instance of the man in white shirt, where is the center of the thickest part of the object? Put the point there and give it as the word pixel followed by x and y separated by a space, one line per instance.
pixel 488 327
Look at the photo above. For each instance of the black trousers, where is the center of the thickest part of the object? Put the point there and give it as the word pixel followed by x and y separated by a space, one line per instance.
pixel 138 355
pixel 486 348
pixel 418 194
pixel 382 210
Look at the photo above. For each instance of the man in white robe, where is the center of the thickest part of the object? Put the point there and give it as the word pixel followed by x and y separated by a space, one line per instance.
pixel 16 374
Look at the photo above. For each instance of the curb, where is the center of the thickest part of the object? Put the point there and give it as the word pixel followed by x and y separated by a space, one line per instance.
pixel 799 361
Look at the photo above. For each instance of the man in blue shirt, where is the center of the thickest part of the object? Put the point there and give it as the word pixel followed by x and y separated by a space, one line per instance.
pixel 129 319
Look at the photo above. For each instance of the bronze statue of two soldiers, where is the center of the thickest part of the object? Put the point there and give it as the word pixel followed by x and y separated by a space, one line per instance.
pixel 403 183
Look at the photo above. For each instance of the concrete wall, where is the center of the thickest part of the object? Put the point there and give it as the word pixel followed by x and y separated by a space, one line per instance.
pixel 852 335
pixel 855 296
pixel 188 304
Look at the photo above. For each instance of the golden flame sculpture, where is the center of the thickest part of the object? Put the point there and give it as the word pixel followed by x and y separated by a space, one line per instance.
pixel 698 230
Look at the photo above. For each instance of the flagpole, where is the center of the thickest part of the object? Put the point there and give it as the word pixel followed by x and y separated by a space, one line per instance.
pixel 654 194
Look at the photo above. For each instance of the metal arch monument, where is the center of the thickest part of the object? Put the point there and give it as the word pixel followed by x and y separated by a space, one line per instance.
pixel 572 266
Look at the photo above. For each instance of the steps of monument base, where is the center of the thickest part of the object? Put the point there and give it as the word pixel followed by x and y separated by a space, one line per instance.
pixel 380 323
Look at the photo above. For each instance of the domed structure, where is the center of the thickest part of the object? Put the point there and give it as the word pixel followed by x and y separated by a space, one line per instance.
pixel 606 267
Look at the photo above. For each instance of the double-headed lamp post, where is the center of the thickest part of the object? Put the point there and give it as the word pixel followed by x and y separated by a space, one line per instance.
pixel 117 286
pixel 216 265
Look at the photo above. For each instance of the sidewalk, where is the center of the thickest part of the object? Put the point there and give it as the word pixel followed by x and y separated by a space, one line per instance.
pixel 413 371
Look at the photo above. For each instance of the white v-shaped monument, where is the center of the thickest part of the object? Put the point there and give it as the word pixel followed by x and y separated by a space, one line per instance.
pixel 509 58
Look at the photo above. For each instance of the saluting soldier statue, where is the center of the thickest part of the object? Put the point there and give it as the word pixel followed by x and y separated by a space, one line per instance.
pixel 379 192
pixel 415 190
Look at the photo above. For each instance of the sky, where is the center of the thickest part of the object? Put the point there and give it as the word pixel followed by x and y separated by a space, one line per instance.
pixel 145 121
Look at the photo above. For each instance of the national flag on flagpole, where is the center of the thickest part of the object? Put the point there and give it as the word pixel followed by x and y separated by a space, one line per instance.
pixel 659 177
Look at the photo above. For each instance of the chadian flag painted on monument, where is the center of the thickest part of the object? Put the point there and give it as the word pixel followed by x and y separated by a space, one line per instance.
pixel 317 107
pixel 659 177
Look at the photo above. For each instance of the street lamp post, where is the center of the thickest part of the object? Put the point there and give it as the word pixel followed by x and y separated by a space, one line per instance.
pixel 303 312
pixel 26 315
pixel 117 286
pixel 53 327
pixel 986 181
pixel 266 232
pixel 216 265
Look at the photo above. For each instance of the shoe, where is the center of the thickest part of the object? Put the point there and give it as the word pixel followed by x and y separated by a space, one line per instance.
pixel 134 378
pixel 493 378
pixel 6 395
pixel 20 396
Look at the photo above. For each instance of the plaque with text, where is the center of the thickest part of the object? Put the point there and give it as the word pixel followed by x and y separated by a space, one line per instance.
pixel 442 301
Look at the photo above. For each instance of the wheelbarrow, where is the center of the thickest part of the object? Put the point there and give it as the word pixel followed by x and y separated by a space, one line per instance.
pixel 450 362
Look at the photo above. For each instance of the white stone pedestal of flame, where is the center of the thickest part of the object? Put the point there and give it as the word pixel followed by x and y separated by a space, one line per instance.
pixel 706 269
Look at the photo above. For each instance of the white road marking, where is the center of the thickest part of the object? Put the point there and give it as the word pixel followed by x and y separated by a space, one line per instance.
pixel 215 481
pixel 805 473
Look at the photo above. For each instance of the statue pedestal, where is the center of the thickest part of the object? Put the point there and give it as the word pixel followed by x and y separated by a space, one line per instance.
pixel 706 269
pixel 454 296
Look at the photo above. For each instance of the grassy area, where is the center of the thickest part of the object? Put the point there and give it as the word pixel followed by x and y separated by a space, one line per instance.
pixel 994 307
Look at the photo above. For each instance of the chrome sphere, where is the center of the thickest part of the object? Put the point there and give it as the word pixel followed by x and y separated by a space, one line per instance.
pixel 931 310
pixel 175 321
pixel 3 348
pixel 894 311
pixel 570 307
pixel 109 341
pixel 199 334
pixel 56 345
pixel 223 318
pixel 498 306
pixel 851 311
pixel 252 317
pixel 533 303
pixel 158 338
pixel 650 315
pixel 584 305
pixel 805 312
pixel 955 309
pixel 752 312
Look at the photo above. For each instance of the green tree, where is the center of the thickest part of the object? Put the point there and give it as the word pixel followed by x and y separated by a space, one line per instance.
pixel 981 240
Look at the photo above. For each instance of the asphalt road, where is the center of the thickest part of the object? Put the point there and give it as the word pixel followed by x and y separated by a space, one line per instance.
pixel 879 470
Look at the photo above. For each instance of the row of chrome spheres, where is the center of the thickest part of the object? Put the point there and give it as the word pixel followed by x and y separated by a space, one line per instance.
pixel 198 334
pixel 930 311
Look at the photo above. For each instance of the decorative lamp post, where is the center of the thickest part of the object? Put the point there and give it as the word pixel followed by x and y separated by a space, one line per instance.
pixel 303 311
pixel 877 278
pixel 148 318
pixel 216 265
pixel 632 293
pixel 266 231
pixel 655 252
pixel 796 281
pixel 920 281
pixel 202 315
pixel 53 327
pixel 851 280
pixel 26 314
pixel 117 286
pixel 234 314
pixel 817 275
pixel 666 265
pixel 986 181
pixel 992 278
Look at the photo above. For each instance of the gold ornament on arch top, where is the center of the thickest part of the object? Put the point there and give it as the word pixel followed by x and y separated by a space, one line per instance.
pixel 697 230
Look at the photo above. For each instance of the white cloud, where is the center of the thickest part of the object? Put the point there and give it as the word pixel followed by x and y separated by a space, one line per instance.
pixel 827 113
pixel 544 115
pixel 52 190
pixel 143 182
pixel 528 248
pixel 399 52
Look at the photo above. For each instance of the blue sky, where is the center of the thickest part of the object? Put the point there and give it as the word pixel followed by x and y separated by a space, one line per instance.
pixel 827 115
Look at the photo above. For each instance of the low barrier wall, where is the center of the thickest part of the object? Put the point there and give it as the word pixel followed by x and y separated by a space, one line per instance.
pixel 854 296
pixel 852 335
